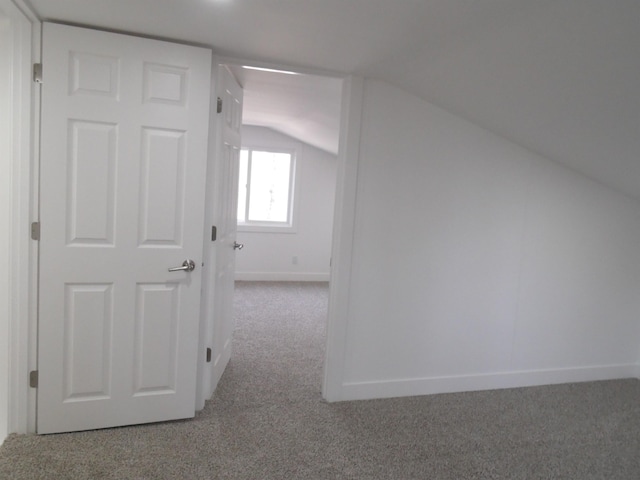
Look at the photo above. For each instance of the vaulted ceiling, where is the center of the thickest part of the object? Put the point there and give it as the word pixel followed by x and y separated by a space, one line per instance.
pixel 305 107
pixel 559 77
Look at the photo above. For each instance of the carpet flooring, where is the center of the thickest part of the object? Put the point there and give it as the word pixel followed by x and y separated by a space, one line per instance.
pixel 267 420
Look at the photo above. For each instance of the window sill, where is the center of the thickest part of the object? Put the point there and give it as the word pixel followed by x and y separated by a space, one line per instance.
pixel 266 228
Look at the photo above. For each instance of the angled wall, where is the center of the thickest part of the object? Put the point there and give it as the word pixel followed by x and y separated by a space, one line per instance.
pixel 478 264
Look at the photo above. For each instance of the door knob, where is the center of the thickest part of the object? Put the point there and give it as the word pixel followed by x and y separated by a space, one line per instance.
pixel 238 246
pixel 187 266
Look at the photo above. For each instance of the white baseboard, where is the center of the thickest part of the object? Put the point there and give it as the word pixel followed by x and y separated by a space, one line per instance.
pixel 467 383
pixel 282 276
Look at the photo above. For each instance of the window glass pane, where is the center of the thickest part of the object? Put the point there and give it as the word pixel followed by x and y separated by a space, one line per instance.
pixel 269 187
pixel 242 186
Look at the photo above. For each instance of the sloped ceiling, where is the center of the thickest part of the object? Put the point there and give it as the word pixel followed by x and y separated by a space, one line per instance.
pixel 305 107
pixel 559 77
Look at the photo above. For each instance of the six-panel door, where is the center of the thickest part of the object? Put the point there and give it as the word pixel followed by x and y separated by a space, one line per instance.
pixel 228 156
pixel 124 144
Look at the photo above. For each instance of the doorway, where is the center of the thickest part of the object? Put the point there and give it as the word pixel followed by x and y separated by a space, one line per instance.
pixel 298 114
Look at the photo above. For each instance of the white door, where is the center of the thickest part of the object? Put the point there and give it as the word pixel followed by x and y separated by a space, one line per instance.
pixel 124 145
pixel 228 158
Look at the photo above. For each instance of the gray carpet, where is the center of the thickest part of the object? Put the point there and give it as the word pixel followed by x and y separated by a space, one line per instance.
pixel 267 421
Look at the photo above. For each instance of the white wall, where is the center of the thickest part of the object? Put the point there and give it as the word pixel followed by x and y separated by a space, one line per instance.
pixel 477 264
pixel 269 255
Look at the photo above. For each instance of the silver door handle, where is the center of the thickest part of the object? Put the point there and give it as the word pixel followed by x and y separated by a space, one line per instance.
pixel 187 266
pixel 238 246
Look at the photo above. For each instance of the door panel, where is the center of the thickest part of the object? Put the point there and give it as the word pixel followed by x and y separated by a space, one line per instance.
pixel 162 187
pixel 156 336
pixel 91 183
pixel 87 341
pixel 124 144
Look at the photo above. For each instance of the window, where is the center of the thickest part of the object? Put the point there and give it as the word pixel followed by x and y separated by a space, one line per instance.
pixel 265 189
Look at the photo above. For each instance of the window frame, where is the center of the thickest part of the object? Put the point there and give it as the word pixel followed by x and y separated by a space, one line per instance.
pixel 266 226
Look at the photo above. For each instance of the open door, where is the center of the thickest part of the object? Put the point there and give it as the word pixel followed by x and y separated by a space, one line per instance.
pixel 223 192
pixel 124 146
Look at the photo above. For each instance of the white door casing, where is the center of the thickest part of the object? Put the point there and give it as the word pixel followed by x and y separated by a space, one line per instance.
pixel 124 145
pixel 19 49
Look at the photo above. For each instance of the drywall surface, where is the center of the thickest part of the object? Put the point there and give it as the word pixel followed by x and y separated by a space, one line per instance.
pixel 477 264
pixel 303 254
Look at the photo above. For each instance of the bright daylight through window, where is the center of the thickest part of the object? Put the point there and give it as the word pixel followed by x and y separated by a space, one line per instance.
pixel 265 188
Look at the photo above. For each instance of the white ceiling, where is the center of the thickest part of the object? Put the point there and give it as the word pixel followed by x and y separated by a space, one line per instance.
pixel 560 77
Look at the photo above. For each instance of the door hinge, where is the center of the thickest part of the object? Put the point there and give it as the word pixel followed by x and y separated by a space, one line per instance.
pixel 37 72
pixel 35 231
pixel 208 355
pixel 33 378
pixel 214 233
pixel 219 105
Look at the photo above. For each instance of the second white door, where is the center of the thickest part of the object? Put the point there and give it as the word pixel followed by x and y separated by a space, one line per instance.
pixel 227 158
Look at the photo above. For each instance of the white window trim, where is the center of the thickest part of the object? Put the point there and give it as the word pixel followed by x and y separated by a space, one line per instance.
pixel 277 227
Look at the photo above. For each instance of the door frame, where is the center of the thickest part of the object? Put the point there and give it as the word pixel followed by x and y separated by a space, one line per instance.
pixel 344 226
pixel 23 258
